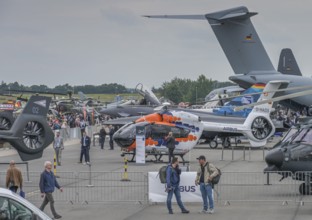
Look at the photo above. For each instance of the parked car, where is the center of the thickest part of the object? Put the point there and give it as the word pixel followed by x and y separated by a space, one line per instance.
pixel 14 207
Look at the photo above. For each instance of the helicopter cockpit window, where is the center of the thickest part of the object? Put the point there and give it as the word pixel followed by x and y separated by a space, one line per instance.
pixel 290 135
pixel 180 132
pixel 301 153
pixel 159 131
pixel 304 136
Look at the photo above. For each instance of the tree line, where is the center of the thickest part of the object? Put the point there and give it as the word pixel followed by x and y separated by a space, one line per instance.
pixel 176 90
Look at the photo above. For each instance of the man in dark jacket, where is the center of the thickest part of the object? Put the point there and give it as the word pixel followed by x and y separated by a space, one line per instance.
pixel 102 136
pixel 111 134
pixel 170 145
pixel 173 182
pixel 47 185
pixel 85 148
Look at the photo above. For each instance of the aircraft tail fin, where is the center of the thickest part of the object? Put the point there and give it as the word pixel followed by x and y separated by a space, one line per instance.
pixel 82 96
pixel 287 63
pixel 238 39
pixel 258 124
pixel 30 131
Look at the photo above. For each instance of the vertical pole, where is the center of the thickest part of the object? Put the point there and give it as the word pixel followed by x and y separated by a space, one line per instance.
pixel 222 152
pixel 249 153
pixel 244 153
pixel 27 171
pixel 90 177
pixel 54 164
pixel 125 174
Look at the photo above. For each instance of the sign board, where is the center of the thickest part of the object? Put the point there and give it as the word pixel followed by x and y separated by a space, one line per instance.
pixel 189 192
pixel 140 145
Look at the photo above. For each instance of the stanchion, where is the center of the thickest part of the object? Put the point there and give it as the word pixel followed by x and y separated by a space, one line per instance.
pixel 222 152
pixel 54 166
pixel 90 177
pixel 125 174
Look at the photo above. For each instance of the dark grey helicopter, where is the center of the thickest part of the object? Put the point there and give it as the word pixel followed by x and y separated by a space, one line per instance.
pixel 294 154
pixel 30 133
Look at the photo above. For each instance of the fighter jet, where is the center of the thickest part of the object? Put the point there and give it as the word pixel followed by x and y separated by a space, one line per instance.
pixel 245 52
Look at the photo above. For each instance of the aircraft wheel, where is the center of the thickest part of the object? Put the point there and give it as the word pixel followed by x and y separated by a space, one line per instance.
pixel 226 143
pixel 305 190
pixel 213 144
pixel 34 135
pixel 238 141
pixel 6 121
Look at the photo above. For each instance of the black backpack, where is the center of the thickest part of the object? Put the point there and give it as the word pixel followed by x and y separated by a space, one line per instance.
pixel 216 179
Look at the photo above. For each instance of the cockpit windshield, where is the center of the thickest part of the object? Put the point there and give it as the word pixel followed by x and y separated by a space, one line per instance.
pixel 290 134
pixel 303 136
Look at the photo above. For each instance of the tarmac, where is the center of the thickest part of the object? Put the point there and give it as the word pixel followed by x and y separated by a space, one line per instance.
pixel 110 160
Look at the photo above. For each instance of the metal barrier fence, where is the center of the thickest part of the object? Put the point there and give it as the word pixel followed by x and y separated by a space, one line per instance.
pixel 88 187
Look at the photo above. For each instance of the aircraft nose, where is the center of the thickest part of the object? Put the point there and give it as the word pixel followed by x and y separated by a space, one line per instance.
pixel 122 140
pixel 274 157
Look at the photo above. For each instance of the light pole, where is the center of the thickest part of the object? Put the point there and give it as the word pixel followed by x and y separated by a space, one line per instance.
pixel 196 95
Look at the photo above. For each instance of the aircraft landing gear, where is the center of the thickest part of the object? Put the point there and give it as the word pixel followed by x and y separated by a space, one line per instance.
pixel 305 189
pixel 226 142
pixel 213 144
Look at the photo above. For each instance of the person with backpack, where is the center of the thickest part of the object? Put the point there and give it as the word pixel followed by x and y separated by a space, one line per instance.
pixel 170 145
pixel 205 173
pixel 173 173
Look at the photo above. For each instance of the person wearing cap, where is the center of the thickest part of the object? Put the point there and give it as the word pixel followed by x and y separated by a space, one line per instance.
pixel 205 173
pixel 58 145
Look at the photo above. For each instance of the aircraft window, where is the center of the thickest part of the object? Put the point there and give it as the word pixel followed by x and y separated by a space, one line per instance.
pixel 302 152
pixel 300 135
pixel 290 135
pixel 180 132
pixel 159 131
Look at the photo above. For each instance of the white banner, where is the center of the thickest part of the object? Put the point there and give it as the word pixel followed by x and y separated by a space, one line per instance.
pixel 140 145
pixel 189 192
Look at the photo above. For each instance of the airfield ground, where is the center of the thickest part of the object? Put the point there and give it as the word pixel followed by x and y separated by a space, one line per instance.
pixel 110 160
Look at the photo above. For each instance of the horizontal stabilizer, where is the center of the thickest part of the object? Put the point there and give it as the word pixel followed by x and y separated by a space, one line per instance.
pixel 237 37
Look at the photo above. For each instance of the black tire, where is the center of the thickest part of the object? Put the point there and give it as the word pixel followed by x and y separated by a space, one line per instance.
pixel 213 144
pixel 305 190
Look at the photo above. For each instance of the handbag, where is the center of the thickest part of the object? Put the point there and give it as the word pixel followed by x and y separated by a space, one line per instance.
pixel 22 193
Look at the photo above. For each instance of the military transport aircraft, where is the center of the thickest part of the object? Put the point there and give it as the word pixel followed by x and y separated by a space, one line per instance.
pixel 257 127
pixel 245 52
pixel 30 133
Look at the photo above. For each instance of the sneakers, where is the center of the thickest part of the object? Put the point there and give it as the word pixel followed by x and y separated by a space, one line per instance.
pixel 84 163
pixel 170 212
pixel 88 163
pixel 185 211
pixel 210 211
pixel 57 216
pixel 203 211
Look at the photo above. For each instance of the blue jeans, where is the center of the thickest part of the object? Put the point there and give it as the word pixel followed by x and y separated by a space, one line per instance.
pixel 206 191
pixel 176 191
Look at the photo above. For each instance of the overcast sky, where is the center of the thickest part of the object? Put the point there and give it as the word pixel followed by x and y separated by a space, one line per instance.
pixel 80 42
